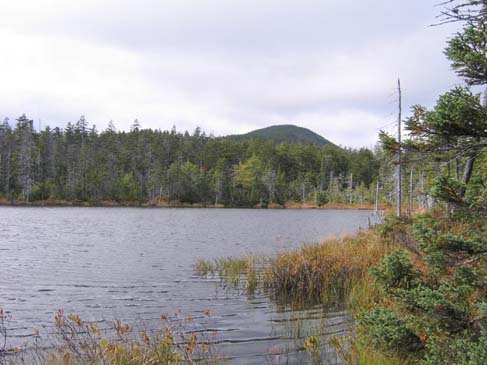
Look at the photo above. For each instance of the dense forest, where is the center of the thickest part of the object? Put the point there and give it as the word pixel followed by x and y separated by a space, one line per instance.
pixel 143 165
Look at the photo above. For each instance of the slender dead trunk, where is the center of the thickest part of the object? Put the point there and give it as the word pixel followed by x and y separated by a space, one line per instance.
pixel 411 191
pixel 330 187
pixel 399 167
pixel 351 188
pixel 457 169
pixel 377 196
pixel 9 172
pixel 422 196
pixel 467 174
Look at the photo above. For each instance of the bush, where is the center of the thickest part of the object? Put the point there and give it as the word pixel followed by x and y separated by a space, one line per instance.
pixel 390 333
pixel 396 272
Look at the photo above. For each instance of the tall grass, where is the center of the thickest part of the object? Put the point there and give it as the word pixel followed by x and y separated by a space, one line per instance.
pixel 354 349
pixel 325 272
pixel 80 342
pixel 244 271
pixel 335 271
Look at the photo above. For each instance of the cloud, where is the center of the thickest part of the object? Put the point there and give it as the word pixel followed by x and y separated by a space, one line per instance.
pixel 228 67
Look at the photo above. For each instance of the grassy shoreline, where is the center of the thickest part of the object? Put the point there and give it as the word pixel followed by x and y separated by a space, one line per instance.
pixel 176 204
pixel 335 271
pixel 75 341
pixel 321 272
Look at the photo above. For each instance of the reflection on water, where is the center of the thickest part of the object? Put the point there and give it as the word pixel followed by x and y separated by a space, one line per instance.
pixel 134 264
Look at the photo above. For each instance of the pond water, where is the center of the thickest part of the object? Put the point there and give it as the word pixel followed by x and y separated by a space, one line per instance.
pixel 134 264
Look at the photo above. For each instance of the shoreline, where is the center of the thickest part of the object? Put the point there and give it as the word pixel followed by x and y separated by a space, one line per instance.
pixel 175 204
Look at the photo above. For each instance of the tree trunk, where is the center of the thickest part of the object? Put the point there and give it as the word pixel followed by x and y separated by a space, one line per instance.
pixel 467 173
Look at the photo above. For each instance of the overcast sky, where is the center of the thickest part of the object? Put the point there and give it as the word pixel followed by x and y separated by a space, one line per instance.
pixel 226 66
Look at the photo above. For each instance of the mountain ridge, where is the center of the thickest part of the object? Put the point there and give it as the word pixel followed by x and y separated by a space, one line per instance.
pixel 289 133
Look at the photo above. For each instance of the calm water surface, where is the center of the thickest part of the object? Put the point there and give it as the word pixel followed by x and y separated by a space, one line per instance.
pixel 134 264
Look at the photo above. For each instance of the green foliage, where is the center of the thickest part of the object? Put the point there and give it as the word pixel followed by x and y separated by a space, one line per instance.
pixel 395 272
pixel 129 190
pixel 443 247
pixel 440 297
pixel 449 190
pixel 476 194
pixel 458 113
pixel 454 125
pixel 444 303
pixel 247 173
pixel 467 52
pixel 322 198
pixel 389 332
pixel 389 144
pixel 464 349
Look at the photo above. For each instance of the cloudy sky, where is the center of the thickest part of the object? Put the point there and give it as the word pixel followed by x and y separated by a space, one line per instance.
pixel 226 66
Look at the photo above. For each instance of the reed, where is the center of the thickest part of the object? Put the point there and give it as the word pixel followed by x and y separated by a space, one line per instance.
pixel 335 271
pixel 244 271
pixel 81 342
pixel 323 272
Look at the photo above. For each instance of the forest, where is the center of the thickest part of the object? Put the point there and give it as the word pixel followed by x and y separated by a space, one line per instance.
pixel 78 163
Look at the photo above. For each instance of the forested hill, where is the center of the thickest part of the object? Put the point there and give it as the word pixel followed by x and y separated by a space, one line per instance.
pixel 284 133
pixel 80 163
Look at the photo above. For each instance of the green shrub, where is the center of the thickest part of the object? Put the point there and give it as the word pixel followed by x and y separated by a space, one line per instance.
pixel 390 333
pixel 396 271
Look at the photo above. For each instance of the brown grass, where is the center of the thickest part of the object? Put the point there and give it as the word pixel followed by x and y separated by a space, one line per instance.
pixel 328 271
pixel 334 270
pixel 80 342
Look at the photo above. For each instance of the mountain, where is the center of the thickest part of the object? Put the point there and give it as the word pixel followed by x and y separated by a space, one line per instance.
pixel 284 133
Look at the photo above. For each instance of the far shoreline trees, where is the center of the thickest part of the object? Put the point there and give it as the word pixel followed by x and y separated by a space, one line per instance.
pixel 78 163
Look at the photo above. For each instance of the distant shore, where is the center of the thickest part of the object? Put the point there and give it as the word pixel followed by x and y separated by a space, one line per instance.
pixel 176 204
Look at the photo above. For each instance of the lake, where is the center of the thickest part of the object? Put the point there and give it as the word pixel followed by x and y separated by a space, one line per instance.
pixel 136 263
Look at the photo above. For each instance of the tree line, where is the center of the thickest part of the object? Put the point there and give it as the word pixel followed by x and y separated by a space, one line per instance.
pixel 144 165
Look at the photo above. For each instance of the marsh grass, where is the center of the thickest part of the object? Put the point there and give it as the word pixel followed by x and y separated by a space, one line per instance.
pixel 333 271
pixel 326 272
pixel 80 342
pixel 244 272
pixel 4 350
pixel 353 349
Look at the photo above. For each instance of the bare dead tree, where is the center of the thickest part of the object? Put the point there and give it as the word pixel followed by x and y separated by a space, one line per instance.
pixel 399 166
pixel 462 11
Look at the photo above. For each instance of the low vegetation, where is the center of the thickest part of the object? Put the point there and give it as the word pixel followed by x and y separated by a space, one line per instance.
pixel 329 272
pixel 416 288
pixel 79 342
pixel 244 271
pixel 334 272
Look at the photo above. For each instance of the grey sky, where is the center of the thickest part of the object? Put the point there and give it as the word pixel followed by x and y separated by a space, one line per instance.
pixel 226 66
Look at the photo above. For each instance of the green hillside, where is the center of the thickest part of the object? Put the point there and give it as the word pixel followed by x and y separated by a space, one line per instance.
pixel 284 133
